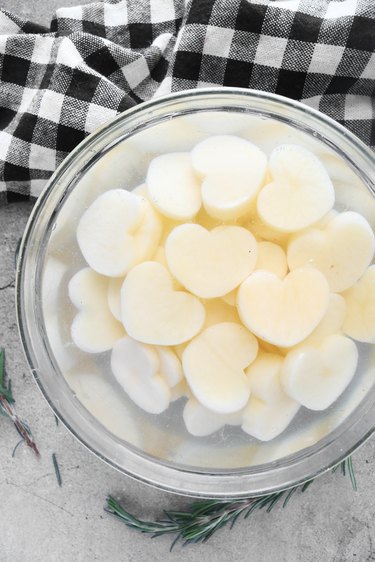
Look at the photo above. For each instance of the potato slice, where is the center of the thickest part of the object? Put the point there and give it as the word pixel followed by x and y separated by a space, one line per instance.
pixel 341 251
pixel 214 364
pixel 283 311
pixel 316 376
pixel 301 192
pixel 94 329
pixel 359 323
pixel 153 312
pixel 173 187
pixel 210 264
pixel 136 367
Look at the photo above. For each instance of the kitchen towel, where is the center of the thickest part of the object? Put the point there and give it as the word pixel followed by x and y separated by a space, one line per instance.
pixel 57 85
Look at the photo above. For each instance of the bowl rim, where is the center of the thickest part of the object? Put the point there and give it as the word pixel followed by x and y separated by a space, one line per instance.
pixel 219 484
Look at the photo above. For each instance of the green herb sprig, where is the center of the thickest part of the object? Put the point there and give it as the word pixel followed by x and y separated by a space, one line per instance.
pixel 7 408
pixel 203 518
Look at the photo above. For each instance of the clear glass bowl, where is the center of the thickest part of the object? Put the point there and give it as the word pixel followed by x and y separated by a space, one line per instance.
pixel 79 387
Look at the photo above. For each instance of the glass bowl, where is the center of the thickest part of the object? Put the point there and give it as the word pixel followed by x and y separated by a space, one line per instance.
pixel 79 388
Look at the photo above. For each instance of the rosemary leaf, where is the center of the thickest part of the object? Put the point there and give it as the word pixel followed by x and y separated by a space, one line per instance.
pixel 5 390
pixel 353 479
pixel 57 469
pixel 288 496
pixel 274 501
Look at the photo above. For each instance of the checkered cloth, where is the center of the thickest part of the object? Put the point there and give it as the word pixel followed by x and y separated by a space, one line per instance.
pixel 58 85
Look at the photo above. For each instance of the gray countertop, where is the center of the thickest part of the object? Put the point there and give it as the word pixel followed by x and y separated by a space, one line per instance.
pixel 42 522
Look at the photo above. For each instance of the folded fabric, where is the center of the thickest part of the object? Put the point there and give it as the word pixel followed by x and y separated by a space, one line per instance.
pixel 58 85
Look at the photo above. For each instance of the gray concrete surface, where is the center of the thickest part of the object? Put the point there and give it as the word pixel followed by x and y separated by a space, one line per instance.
pixel 40 522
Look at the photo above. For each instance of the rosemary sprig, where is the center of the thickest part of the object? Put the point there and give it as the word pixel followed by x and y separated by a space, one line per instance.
pixel 203 518
pixel 7 407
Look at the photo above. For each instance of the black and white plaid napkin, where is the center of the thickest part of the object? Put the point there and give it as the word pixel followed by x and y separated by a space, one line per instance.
pixel 58 85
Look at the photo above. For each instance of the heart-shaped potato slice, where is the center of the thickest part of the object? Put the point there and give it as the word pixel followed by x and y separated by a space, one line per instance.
pixel 316 376
pixel 136 367
pixel 118 230
pixel 283 311
pixel 153 312
pixel 105 230
pixel 341 251
pixel 300 193
pixel 214 363
pixel 266 420
pixel 210 264
pixel 269 410
pixel 271 257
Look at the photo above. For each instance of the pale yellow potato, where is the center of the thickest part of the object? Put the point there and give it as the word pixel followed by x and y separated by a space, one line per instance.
pixel 153 312
pixel 266 420
pixel 224 154
pixel 200 421
pixel 271 257
pixel 269 410
pixel 210 264
pixel 94 328
pixel 331 323
pixel 315 376
pixel 136 367
pixel 301 192
pixel 214 363
pixel 231 195
pixel 173 187
pixel 359 323
pixel 105 232
pixel 342 250
pixel 285 311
